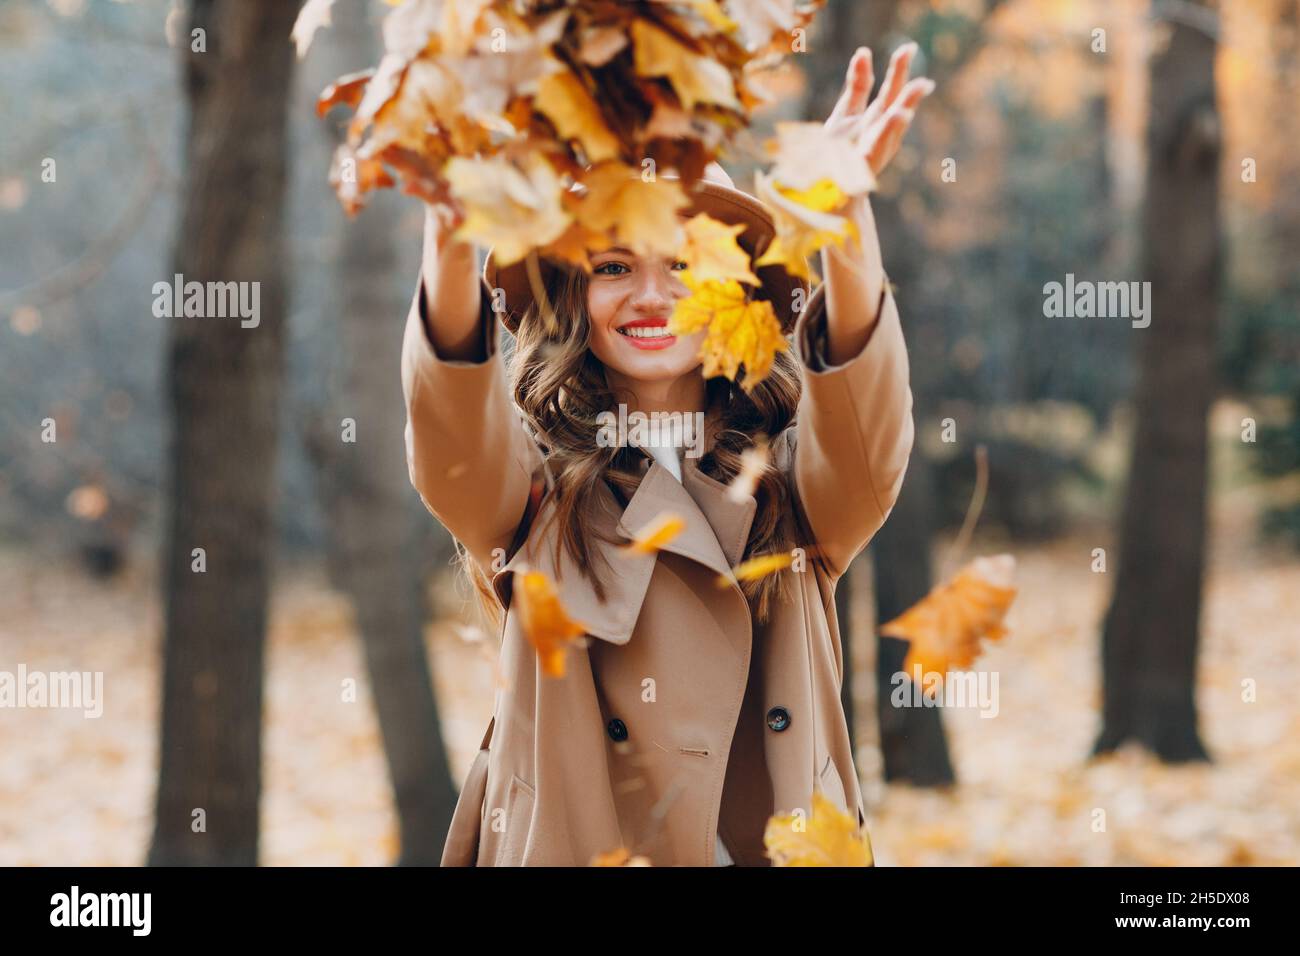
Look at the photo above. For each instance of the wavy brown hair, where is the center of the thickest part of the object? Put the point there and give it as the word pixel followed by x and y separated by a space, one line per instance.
pixel 560 388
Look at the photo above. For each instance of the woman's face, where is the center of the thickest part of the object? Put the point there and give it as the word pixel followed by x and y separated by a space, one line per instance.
pixel 629 301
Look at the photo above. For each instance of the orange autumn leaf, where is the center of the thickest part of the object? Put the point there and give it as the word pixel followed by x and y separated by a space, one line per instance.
pixel 544 621
pixel 638 214
pixel 563 100
pixel 829 837
pixel 946 626
pixel 694 78
pixel 656 534
pixel 347 90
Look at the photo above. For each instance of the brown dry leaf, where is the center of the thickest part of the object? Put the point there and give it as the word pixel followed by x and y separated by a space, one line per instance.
pixel 656 534
pixel 544 621
pixel 347 89
pixel 829 837
pixel 740 331
pixel 946 626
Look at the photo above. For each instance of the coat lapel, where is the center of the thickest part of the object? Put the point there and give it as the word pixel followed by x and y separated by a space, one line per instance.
pixel 716 530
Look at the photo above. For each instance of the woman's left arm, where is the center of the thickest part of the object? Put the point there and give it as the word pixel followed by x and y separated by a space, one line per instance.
pixel 856 431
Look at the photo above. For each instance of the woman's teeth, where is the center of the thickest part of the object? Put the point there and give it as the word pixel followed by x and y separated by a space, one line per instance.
pixel 646 332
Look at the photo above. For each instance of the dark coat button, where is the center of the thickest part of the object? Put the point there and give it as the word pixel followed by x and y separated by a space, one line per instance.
pixel 617 730
pixel 778 718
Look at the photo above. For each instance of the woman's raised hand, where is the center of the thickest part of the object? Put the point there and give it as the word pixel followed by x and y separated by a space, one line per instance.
pixel 877 128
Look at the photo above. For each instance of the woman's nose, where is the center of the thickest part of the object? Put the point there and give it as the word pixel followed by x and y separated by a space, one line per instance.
pixel 657 290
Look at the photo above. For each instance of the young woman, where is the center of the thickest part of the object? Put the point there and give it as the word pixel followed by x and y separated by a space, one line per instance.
pixel 691 713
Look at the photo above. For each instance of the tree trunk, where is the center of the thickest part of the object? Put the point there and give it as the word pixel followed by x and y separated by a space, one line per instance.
pixel 224 385
pixel 1151 630
pixel 913 745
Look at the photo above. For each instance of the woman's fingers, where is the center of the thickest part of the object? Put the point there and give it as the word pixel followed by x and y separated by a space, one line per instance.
pixel 911 95
pixel 895 76
pixel 893 128
pixel 858 79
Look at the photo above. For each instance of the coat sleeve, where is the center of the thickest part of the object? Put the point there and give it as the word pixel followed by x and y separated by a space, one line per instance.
pixel 855 431
pixel 469 455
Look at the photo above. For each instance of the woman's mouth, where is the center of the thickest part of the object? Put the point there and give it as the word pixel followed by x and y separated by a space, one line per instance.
pixel 648 334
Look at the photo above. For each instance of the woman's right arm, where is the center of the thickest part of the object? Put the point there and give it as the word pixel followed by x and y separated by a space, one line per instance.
pixel 468 454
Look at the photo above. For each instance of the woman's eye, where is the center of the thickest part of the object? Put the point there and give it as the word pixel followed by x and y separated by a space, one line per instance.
pixel 608 267
pixel 679 265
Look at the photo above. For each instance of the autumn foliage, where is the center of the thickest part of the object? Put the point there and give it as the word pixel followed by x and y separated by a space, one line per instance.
pixel 558 129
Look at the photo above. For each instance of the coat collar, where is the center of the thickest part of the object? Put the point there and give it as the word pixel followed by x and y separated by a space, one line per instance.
pixel 716 530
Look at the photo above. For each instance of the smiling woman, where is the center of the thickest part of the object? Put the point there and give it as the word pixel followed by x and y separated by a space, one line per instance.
pixel 707 702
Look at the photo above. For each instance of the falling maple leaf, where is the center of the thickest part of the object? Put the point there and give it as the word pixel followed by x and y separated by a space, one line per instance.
pixel 562 98
pixel 946 626
pixel 544 621
pixel 758 567
pixel 712 253
pixel 695 78
pixel 638 214
pixel 829 837
pixel 510 206
pixel 741 331
pixel 808 156
pixel 656 534
pixel 805 222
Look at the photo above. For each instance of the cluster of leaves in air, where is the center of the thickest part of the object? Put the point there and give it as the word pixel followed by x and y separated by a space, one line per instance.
pixel 539 126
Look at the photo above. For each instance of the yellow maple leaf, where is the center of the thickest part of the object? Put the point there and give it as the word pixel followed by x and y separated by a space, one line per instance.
pixel 694 78
pixel 946 626
pixel 712 252
pixel 805 222
pixel 544 621
pixel 640 215
pixel 656 534
pixel 562 98
pixel 757 567
pixel 829 837
pixel 740 331
pixel 507 206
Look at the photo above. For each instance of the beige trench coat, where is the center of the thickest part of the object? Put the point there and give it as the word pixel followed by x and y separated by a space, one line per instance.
pixel 683 720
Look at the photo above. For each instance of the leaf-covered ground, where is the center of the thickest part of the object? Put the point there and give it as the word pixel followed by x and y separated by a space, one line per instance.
pixel 78 791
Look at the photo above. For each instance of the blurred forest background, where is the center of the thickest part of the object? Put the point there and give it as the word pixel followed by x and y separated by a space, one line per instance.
pixel 1116 141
